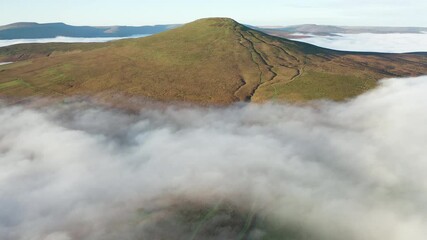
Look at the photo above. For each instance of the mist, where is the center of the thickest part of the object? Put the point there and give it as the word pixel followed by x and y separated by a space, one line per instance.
pixel 354 170
pixel 389 43
pixel 371 42
pixel 61 39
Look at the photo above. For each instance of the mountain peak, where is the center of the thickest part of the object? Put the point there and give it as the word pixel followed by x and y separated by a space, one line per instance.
pixel 19 25
pixel 217 22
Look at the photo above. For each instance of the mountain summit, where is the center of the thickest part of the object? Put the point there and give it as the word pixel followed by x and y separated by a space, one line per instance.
pixel 209 61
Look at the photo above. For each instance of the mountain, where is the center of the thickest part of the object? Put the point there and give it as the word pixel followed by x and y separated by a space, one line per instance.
pixel 28 30
pixel 209 61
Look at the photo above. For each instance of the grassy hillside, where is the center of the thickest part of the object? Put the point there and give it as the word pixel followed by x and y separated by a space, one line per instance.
pixel 22 52
pixel 209 61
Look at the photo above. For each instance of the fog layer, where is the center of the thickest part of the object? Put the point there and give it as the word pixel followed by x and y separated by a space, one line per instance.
pixel 4 43
pixel 353 170
pixel 392 43
pixel 371 42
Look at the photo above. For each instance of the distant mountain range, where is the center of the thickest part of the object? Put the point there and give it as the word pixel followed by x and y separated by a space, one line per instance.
pixel 297 31
pixel 30 30
pixel 322 29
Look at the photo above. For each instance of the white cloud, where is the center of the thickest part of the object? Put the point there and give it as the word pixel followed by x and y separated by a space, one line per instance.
pixel 370 42
pixel 4 43
pixel 393 43
pixel 353 170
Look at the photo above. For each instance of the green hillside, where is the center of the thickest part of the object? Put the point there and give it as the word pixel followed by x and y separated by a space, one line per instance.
pixel 209 61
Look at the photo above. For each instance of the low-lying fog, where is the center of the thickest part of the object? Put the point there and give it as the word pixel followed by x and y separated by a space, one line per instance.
pixel 393 43
pixel 371 42
pixel 4 43
pixel 354 170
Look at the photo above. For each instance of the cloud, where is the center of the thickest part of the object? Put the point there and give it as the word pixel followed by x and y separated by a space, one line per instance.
pixel 4 43
pixel 393 43
pixel 370 42
pixel 324 171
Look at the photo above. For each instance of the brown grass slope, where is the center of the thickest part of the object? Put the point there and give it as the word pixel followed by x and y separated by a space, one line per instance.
pixel 209 61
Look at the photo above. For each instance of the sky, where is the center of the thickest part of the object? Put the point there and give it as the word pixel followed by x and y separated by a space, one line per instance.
pixel 265 13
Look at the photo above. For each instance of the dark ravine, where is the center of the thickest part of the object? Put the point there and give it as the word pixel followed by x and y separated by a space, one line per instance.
pixel 252 50
pixel 295 66
pixel 214 61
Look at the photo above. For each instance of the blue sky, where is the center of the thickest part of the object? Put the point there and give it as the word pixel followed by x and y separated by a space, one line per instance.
pixel 266 12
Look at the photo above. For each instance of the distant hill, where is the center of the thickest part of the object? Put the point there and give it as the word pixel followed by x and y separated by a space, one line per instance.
pixel 28 30
pixel 209 61
pixel 323 30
